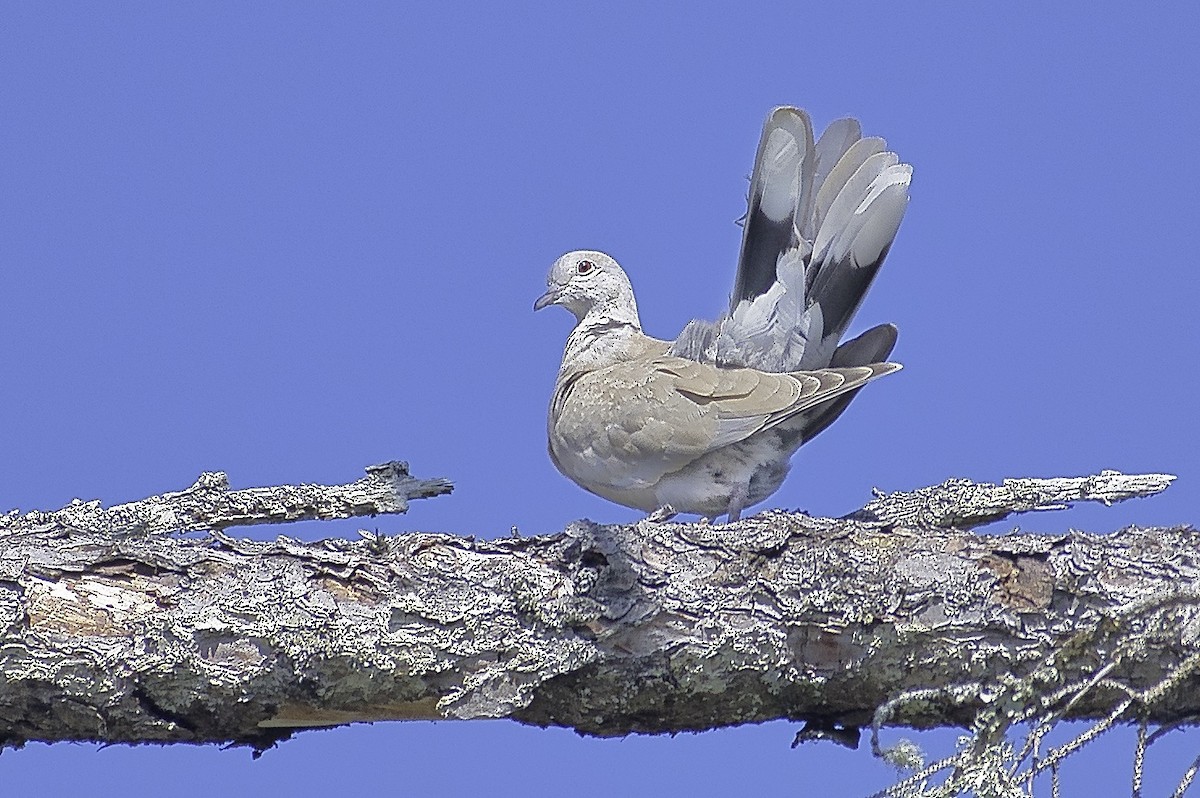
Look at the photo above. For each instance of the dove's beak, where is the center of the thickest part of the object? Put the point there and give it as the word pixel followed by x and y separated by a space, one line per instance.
pixel 547 299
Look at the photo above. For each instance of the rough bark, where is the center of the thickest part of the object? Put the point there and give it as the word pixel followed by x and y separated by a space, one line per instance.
pixel 115 630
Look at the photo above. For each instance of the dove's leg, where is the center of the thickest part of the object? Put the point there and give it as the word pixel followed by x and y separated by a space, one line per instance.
pixel 737 501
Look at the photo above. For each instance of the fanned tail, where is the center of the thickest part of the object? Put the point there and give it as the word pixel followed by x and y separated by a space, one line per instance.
pixel 820 221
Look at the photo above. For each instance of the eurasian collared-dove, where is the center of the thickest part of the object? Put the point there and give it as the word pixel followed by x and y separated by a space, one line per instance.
pixel 708 423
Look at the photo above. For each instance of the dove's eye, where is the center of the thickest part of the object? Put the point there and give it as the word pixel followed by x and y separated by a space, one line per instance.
pixel 585 267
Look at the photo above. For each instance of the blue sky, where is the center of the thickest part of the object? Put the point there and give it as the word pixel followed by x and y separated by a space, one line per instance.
pixel 290 240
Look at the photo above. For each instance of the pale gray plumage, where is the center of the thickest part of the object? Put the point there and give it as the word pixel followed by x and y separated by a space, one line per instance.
pixel 708 423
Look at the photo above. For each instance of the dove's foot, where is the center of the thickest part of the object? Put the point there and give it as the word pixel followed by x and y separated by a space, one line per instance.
pixel 662 514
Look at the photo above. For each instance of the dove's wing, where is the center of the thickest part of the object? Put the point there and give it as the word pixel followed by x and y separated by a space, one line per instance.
pixel 821 218
pixel 624 427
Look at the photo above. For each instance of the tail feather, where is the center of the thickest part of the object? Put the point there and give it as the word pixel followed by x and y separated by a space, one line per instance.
pixel 840 173
pixel 820 220
pixel 873 346
pixel 855 237
pixel 838 138
pixel 782 178
pixel 870 348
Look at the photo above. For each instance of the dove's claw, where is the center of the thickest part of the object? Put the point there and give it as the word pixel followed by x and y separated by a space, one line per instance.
pixel 662 514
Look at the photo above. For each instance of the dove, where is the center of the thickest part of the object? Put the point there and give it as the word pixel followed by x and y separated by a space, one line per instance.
pixel 707 424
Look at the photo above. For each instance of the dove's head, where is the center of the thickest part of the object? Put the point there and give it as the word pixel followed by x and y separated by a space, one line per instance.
pixel 589 282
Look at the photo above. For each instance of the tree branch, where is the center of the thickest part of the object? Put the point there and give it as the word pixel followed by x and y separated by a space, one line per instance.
pixel 963 504
pixel 114 633
pixel 210 504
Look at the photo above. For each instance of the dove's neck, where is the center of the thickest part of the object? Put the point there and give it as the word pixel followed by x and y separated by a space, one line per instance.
pixel 603 337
